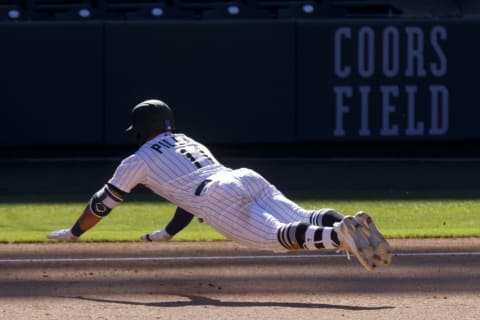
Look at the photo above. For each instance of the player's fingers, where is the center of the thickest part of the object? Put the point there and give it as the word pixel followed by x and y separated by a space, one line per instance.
pixel 159 235
pixel 146 237
pixel 64 234
pixel 53 235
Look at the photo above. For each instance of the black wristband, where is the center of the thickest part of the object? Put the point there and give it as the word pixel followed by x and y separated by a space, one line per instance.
pixel 76 230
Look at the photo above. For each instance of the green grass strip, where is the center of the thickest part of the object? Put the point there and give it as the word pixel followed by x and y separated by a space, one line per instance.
pixel 31 222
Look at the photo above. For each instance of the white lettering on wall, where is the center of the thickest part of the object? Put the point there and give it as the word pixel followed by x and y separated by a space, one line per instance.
pixel 387 108
pixel 414 128
pixel 341 71
pixel 341 108
pixel 395 118
pixel 364 129
pixel 383 85
pixel 439 110
pixel 439 68
pixel 391 52
pixel 415 53
pixel 366 52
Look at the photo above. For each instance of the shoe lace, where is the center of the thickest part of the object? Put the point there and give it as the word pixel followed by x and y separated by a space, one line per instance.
pixel 342 249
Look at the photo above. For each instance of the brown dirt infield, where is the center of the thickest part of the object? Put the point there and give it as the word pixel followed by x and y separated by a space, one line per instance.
pixel 238 284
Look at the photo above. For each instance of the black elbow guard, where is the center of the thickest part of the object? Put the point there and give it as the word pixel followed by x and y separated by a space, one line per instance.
pixel 98 207
pixel 103 202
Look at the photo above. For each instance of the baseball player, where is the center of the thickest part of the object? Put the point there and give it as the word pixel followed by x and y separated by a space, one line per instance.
pixel 240 203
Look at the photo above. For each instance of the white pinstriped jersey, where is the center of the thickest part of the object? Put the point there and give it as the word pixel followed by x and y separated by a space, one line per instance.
pixel 240 203
pixel 172 165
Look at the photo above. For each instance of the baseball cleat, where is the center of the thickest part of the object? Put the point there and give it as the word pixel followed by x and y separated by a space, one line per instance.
pixel 353 240
pixel 383 252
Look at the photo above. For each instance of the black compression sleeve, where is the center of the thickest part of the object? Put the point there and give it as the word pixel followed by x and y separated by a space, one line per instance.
pixel 180 220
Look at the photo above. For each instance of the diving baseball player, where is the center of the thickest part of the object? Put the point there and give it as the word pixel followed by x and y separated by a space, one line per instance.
pixel 238 203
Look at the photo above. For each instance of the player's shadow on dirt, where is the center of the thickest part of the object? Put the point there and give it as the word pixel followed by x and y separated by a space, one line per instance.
pixel 204 301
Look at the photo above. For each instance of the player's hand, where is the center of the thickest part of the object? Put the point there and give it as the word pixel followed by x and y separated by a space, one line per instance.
pixel 64 235
pixel 159 235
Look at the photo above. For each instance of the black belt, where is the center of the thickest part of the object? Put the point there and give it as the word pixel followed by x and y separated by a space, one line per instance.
pixel 201 186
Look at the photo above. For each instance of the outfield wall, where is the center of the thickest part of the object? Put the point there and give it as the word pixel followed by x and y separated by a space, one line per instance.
pixel 278 81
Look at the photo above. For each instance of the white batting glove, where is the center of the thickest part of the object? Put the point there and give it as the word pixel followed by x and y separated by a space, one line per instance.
pixel 64 235
pixel 159 235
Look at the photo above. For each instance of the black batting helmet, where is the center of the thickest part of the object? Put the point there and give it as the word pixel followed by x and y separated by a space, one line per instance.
pixel 150 117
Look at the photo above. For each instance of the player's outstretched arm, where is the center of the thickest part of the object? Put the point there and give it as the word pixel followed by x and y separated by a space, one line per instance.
pixel 99 206
pixel 179 221
pixel 84 223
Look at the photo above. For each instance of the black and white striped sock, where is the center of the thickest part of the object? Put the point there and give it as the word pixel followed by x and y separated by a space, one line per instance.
pixel 300 235
pixel 325 217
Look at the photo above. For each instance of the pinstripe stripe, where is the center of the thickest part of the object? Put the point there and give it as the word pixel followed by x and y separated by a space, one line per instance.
pixel 285 209
pixel 250 223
